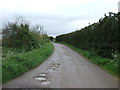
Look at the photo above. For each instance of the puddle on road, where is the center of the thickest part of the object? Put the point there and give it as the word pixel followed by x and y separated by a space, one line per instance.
pixel 43 75
pixel 43 78
pixel 46 83
pixel 40 78
pixel 53 66
pixel 51 69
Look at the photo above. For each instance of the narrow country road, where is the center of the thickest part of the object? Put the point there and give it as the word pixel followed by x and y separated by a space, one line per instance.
pixel 64 69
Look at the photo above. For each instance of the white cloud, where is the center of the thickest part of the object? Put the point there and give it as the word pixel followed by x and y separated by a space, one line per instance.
pixel 57 16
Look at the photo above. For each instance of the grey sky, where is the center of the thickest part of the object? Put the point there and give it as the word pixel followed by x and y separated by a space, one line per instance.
pixel 57 16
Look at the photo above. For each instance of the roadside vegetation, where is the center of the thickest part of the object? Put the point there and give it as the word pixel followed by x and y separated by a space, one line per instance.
pixel 23 48
pixel 109 65
pixel 99 42
pixel 17 64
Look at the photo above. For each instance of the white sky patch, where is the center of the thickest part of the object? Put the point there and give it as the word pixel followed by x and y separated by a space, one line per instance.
pixel 119 6
pixel 57 16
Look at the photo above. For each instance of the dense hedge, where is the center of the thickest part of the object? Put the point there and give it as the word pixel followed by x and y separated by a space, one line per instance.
pixel 102 37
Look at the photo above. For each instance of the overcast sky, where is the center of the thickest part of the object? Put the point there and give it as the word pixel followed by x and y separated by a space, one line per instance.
pixel 57 16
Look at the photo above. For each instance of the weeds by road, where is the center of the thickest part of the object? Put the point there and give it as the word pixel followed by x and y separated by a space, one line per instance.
pixel 22 62
pixel 109 65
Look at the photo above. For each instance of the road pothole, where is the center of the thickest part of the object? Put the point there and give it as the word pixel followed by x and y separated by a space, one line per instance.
pixel 43 74
pixel 46 82
pixel 51 69
pixel 43 78
pixel 53 66
pixel 40 78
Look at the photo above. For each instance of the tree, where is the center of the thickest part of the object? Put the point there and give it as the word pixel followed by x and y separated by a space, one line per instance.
pixel 17 35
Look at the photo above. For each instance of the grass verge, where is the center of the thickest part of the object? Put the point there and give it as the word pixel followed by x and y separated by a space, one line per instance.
pixel 22 62
pixel 109 65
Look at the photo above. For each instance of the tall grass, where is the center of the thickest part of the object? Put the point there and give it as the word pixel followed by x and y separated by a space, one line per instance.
pixel 20 63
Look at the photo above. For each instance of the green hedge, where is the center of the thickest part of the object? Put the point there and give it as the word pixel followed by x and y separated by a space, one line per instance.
pixel 101 37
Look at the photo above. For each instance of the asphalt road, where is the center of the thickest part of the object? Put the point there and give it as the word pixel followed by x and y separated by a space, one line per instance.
pixel 64 69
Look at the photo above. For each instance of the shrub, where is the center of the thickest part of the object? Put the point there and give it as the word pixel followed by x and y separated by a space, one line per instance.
pixel 21 37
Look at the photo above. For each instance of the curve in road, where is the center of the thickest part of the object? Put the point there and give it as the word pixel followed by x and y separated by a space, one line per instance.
pixel 64 69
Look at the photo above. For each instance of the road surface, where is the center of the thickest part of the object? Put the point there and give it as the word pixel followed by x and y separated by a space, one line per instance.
pixel 64 69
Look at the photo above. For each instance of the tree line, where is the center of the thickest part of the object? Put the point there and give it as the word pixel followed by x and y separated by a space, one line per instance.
pixel 19 35
pixel 102 37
